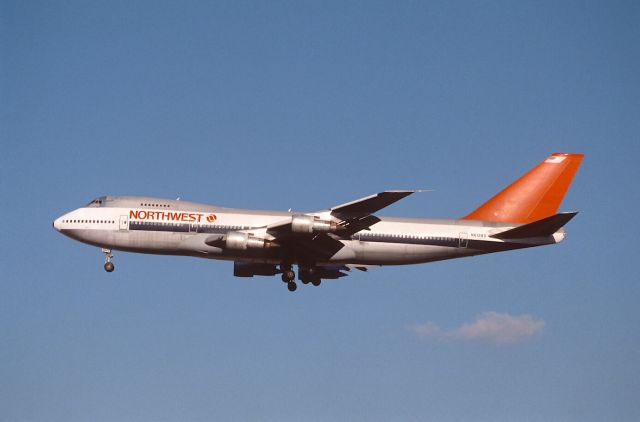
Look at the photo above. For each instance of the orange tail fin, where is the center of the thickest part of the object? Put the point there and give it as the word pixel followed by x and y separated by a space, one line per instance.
pixel 535 195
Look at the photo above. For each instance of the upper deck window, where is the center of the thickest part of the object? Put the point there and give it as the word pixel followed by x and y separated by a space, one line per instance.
pixel 96 202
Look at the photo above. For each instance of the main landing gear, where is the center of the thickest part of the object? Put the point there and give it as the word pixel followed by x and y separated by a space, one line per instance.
pixel 288 276
pixel 308 274
pixel 108 265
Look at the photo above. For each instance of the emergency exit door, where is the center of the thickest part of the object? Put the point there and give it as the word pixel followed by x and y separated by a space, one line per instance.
pixel 463 240
pixel 124 222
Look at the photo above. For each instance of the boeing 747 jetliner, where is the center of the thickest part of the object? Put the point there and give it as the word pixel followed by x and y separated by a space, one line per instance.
pixel 326 244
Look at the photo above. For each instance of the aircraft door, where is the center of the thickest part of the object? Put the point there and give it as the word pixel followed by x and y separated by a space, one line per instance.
pixel 463 240
pixel 124 222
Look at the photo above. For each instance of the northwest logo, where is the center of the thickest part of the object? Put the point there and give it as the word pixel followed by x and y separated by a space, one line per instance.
pixel 187 217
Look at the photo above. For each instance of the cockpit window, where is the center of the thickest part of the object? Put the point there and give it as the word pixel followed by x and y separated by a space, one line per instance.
pixel 96 202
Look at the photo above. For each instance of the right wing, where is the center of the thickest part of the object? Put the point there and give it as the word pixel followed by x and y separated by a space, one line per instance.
pixel 351 217
pixel 358 215
pixel 369 204
pixel 318 234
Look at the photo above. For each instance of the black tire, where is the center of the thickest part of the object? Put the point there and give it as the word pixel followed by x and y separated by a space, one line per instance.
pixel 109 267
pixel 292 286
pixel 316 282
pixel 288 276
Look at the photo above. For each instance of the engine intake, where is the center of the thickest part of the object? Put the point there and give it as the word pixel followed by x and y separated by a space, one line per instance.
pixel 311 224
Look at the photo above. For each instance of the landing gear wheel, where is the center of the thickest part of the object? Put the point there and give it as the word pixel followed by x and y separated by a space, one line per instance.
pixel 292 286
pixel 108 266
pixel 316 282
pixel 288 276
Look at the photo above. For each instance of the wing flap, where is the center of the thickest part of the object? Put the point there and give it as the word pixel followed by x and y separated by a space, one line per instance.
pixel 354 225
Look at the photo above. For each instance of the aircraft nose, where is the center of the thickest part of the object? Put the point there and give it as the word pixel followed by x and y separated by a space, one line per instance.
pixel 56 223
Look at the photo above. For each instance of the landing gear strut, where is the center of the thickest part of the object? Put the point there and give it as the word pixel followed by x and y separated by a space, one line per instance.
pixel 288 276
pixel 108 265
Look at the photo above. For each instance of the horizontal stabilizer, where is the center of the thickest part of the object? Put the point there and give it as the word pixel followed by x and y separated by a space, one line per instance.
pixel 545 227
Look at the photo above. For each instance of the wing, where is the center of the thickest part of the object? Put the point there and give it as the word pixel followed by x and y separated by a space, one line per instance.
pixel 318 235
pixel 370 204
pixel 353 216
pixel 358 215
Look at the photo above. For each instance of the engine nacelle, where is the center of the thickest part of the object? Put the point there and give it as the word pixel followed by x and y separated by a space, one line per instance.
pixel 244 241
pixel 311 224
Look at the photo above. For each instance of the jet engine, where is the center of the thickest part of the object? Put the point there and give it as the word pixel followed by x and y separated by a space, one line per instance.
pixel 244 241
pixel 311 224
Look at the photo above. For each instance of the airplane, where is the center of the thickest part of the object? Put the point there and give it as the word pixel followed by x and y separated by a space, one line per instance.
pixel 327 244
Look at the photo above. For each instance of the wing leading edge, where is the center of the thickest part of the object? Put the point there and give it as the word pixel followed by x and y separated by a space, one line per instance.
pixel 370 204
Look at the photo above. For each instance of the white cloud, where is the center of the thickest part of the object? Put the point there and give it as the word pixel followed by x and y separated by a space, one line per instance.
pixel 492 327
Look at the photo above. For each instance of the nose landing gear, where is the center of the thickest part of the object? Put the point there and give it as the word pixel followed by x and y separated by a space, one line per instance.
pixel 108 265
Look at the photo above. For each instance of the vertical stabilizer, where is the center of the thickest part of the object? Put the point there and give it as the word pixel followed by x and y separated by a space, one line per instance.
pixel 534 196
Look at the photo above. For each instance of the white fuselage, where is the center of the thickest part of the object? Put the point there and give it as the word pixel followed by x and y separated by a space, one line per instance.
pixel 174 227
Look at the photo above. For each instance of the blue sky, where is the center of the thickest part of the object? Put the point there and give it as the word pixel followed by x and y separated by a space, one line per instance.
pixel 306 105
